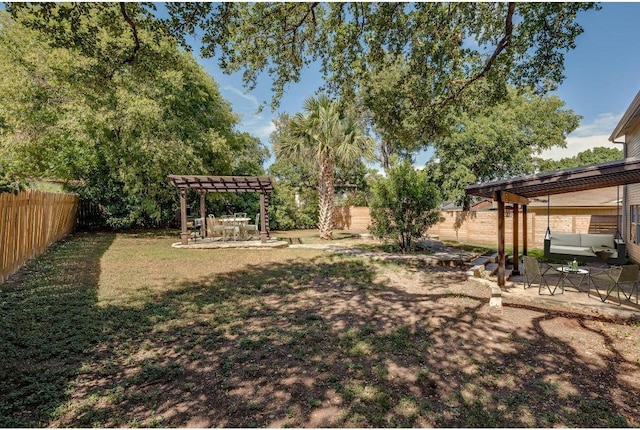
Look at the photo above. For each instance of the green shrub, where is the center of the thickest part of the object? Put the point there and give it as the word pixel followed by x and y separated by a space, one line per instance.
pixel 403 205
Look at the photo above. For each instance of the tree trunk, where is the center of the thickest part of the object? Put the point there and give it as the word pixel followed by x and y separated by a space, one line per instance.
pixel 326 199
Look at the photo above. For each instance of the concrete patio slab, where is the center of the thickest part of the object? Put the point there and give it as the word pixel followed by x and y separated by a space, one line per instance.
pixel 572 299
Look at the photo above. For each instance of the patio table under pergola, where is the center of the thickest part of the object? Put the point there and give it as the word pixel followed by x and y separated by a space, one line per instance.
pixel 222 184
pixel 518 191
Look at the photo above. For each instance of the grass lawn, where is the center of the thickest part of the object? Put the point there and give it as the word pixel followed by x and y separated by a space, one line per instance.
pixel 121 330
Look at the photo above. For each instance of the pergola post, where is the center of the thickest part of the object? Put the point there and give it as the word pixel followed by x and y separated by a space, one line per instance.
pixel 516 270
pixel 263 220
pixel 184 234
pixel 524 230
pixel 203 213
pixel 501 234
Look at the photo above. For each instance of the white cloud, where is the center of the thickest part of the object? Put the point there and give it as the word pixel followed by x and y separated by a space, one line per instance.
pixel 246 105
pixel 239 93
pixel 576 145
pixel 587 136
pixel 603 124
pixel 263 129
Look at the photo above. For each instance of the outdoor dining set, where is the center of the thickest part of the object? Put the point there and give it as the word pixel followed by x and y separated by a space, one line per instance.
pixel 605 280
pixel 236 227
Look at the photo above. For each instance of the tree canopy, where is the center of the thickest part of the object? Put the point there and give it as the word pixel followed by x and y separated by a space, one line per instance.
pixel 112 113
pixel 501 142
pixel 585 158
pixel 107 97
pixel 438 52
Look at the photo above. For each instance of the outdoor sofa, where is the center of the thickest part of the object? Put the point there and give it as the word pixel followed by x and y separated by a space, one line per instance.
pixel 586 247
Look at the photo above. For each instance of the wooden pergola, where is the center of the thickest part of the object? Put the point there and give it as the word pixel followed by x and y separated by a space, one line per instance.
pixel 223 184
pixel 518 191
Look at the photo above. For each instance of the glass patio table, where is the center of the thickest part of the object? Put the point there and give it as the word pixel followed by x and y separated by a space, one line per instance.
pixel 575 278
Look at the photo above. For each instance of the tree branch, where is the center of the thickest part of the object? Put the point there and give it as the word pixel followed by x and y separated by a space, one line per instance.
pixel 502 45
pixel 134 30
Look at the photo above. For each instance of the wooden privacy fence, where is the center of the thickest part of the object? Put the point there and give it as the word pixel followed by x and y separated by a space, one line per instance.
pixel 31 221
pixel 352 218
pixel 481 227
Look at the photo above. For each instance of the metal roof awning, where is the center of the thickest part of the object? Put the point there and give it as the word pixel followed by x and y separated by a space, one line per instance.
pixel 610 174
pixel 224 184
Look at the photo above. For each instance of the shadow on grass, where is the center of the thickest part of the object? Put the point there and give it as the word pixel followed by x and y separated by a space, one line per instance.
pixel 305 343
pixel 48 328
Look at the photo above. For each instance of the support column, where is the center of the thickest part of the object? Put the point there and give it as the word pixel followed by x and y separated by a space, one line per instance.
pixel 184 234
pixel 516 245
pixel 525 234
pixel 263 219
pixel 203 213
pixel 501 234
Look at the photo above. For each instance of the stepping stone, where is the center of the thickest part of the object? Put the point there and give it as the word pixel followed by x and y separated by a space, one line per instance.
pixel 491 268
pixel 477 271
pixel 480 261
pixel 507 275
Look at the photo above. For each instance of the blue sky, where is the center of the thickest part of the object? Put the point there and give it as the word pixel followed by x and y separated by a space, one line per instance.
pixel 602 78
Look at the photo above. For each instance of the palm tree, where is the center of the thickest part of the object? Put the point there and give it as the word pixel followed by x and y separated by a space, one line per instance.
pixel 325 135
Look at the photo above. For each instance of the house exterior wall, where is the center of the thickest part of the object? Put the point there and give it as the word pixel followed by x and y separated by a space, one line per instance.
pixel 632 139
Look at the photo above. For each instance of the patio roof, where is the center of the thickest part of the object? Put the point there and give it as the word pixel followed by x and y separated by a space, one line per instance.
pixel 520 190
pixel 224 184
pixel 610 174
pixel 598 198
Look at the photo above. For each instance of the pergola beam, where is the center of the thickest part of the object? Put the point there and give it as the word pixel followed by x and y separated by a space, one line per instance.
pixel 226 184
pixel 508 197
pixel 620 172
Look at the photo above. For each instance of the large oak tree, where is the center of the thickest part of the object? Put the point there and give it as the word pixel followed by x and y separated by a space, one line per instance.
pixel 438 51
pixel 500 141
pixel 110 103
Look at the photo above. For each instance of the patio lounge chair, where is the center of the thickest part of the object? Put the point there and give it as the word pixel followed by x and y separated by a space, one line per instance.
pixel 619 278
pixel 540 272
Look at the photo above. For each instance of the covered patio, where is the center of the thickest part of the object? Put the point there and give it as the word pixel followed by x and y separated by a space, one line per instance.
pixel 222 184
pixel 518 191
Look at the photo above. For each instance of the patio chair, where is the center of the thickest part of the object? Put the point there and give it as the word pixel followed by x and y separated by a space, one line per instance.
pixel 540 272
pixel 245 228
pixel 618 278
pixel 217 227
pixel 196 228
